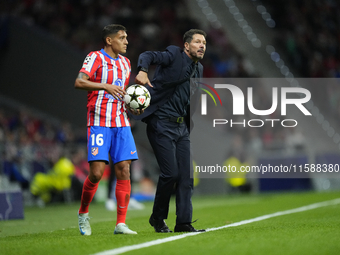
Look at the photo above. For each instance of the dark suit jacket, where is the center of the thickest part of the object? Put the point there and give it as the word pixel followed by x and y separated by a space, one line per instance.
pixel 172 66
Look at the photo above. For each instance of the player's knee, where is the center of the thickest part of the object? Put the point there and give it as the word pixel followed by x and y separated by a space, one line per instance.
pixel 95 175
pixel 94 178
pixel 123 172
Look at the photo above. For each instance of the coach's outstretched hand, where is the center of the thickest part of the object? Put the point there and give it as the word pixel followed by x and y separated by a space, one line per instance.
pixel 142 79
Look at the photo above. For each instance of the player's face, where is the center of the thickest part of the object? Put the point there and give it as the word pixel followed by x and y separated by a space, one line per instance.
pixel 196 48
pixel 119 42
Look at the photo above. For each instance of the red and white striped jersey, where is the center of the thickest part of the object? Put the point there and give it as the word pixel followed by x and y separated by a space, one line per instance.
pixel 102 108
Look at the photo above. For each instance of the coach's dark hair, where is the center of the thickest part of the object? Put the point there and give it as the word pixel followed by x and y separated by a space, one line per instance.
pixel 189 34
pixel 111 29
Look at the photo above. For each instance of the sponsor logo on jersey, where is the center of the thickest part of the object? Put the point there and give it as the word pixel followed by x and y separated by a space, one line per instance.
pixel 109 96
pixel 119 82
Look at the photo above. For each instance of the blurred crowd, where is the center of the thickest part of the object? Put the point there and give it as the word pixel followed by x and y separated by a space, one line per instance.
pixel 32 144
pixel 309 35
pixel 151 25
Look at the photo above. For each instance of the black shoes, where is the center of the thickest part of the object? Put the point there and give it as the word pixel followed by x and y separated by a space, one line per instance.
pixel 187 228
pixel 159 225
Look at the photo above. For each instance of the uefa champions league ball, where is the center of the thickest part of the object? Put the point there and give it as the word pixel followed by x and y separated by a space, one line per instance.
pixel 137 97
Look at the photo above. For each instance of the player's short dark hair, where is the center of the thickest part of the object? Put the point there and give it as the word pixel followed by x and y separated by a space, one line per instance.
pixel 111 29
pixel 189 34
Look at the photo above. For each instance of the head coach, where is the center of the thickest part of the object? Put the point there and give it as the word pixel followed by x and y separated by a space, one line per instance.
pixel 169 122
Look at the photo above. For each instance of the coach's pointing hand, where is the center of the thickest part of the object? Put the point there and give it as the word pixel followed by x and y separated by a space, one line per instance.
pixel 142 79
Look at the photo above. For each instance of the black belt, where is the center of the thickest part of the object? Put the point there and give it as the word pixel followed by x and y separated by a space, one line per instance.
pixel 176 119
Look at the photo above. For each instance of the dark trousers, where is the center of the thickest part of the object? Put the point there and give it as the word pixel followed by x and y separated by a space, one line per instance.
pixel 171 144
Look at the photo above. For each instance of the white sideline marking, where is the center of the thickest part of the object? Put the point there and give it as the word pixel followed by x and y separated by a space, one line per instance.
pixel 173 238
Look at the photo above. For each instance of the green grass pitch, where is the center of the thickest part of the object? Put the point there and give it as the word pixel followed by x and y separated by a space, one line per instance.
pixel 54 229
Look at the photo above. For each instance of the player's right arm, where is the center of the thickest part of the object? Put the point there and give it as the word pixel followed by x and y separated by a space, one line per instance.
pixel 83 82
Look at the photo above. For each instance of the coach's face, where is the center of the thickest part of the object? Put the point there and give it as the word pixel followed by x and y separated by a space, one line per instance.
pixel 196 48
pixel 119 42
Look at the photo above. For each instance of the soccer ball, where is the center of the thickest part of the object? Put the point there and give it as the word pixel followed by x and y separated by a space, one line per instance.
pixel 137 97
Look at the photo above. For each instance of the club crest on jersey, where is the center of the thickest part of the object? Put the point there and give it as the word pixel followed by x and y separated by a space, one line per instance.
pixel 94 151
